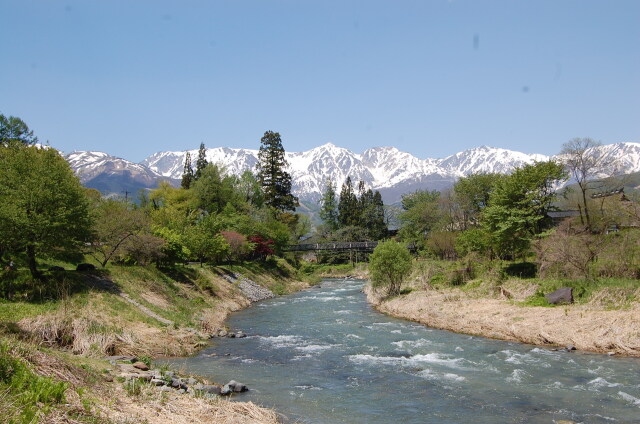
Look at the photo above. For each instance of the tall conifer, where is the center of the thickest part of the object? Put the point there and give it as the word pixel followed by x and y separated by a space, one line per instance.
pixel 202 162
pixel 187 175
pixel 272 174
pixel 329 210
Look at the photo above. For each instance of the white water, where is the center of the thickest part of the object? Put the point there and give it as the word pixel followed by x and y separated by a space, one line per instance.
pixel 324 356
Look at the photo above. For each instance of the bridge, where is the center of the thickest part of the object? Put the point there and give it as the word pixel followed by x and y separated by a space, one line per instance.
pixel 358 246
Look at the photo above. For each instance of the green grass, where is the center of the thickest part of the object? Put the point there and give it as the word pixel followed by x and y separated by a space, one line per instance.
pixel 28 394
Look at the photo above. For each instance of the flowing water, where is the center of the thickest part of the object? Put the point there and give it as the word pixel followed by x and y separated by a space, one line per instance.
pixel 325 356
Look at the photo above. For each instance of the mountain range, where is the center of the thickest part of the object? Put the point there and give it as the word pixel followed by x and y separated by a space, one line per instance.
pixel 386 169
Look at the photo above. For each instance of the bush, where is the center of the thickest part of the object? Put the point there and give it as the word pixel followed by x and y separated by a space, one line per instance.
pixel 389 265
pixel 521 270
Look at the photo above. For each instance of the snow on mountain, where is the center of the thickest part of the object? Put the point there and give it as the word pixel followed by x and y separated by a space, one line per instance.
pixel 109 173
pixel 386 169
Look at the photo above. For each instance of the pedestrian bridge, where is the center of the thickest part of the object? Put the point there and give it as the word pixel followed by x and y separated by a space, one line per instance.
pixel 359 246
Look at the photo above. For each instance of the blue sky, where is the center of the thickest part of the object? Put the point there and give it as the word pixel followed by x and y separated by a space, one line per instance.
pixel 430 77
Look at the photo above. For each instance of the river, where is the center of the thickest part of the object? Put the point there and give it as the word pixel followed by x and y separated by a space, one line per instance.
pixel 325 356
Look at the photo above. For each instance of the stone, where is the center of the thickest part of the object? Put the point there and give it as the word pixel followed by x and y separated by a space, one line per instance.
pixel 209 388
pixel 560 296
pixel 166 389
pixel 241 335
pixel 570 347
pixel 85 267
pixel 226 390
pixel 177 383
pixel 56 268
pixel 222 333
pixel 191 381
pixel 141 366
pixel 169 374
pixel 182 391
pixel 122 358
pixel 158 382
pixel 232 335
pixel 237 387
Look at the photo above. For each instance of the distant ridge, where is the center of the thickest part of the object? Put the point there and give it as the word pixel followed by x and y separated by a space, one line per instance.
pixel 386 169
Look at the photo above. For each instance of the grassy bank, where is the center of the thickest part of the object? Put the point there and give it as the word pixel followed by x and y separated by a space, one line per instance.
pixel 55 332
pixel 505 301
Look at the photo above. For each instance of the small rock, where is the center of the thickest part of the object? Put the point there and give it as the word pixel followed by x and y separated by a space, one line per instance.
pixel 177 383
pixel 232 335
pixel 222 333
pixel 237 387
pixel 166 389
pixel 169 374
pixel 182 391
pixel 241 335
pixel 158 382
pixel 611 353
pixel 108 378
pixel 122 358
pixel 570 347
pixel 226 390
pixel 208 388
pixel 192 381
pixel 141 366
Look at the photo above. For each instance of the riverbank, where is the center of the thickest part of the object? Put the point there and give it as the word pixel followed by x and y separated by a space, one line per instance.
pixel 135 311
pixel 592 326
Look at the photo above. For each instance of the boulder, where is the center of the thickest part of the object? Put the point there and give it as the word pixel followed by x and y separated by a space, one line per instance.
pixel 191 381
pixel 85 267
pixel 177 383
pixel 226 390
pixel 158 382
pixel 240 335
pixel 56 268
pixel 560 296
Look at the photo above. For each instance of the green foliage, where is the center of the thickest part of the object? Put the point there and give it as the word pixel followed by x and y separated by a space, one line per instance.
pixel 213 190
pixel 201 162
pixel 521 270
pixel 389 265
pixel 420 215
pixel 272 174
pixel 43 207
pixel 472 195
pixel 348 212
pixel 15 133
pixel 32 395
pixel 114 223
pixel 329 209
pixel 187 174
pixel 518 206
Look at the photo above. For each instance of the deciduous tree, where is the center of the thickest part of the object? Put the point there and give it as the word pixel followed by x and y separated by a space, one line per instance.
pixel 389 265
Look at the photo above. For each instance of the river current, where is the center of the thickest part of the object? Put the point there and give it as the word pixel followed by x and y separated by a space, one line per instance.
pixel 325 356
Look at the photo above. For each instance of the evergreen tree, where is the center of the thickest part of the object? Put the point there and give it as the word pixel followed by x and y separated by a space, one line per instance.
pixel 348 213
pixel 187 175
pixel 377 224
pixel 202 162
pixel 272 174
pixel 329 210
pixel 14 132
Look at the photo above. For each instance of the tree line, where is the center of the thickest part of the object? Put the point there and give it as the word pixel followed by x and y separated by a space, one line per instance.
pixel 214 216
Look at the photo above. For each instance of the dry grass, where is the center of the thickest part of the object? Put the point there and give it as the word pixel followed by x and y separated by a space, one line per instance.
pixel 589 327
pixel 153 406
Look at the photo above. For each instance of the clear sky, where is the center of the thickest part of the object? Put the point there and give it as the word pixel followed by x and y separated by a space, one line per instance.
pixel 431 77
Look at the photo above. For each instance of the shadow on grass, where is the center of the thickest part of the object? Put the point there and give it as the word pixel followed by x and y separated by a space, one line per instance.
pixel 19 285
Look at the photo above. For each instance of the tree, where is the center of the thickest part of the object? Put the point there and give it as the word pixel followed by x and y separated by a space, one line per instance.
pixel 389 265
pixel 43 208
pixel 373 215
pixel 348 213
pixel 201 162
pixel 472 195
pixel 329 209
pixel 584 161
pixel 420 216
pixel 187 174
pixel 272 174
pixel 213 190
pixel 14 132
pixel 115 222
pixel 518 206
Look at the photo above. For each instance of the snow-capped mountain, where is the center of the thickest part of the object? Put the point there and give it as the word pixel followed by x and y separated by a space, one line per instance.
pixel 386 169
pixel 109 173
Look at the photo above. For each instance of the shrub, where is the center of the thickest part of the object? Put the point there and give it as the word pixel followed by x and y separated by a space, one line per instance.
pixel 389 265
pixel 521 270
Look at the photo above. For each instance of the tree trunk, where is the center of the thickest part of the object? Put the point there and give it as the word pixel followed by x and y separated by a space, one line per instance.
pixel 586 208
pixel 31 260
